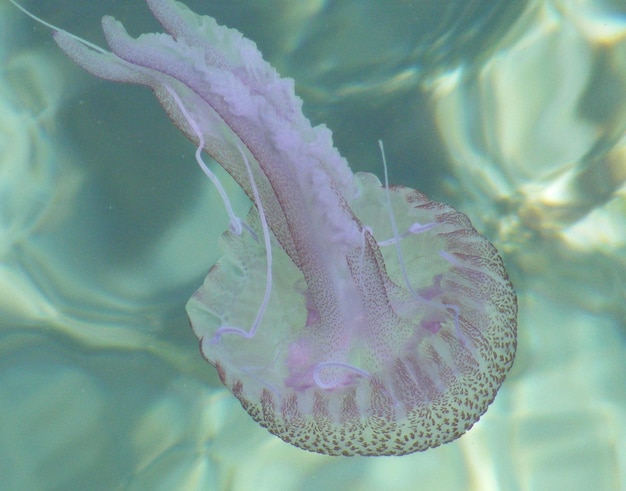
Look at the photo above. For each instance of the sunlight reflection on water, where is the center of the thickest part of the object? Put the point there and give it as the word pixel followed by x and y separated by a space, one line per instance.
pixel 107 226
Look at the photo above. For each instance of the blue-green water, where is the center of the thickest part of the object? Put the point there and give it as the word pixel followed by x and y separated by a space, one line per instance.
pixel 514 112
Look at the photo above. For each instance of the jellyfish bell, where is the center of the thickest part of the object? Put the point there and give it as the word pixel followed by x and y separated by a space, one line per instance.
pixel 409 385
pixel 369 320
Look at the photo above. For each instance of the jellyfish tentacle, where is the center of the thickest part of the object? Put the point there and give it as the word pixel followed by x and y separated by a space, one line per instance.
pixel 414 229
pixel 418 228
pixel 236 224
pixel 394 225
pixel 268 257
pixel 58 29
pixel 330 364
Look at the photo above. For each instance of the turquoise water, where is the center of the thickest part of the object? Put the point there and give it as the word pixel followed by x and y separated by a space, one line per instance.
pixel 512 112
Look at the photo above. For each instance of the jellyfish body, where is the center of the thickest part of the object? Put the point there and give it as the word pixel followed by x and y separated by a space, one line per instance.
pixel 392 382
pixel 374 339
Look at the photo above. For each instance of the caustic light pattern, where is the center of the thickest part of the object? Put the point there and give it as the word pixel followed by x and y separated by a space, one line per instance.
pixel 349 318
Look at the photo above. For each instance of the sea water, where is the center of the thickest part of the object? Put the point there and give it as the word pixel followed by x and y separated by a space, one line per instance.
pixel 513 112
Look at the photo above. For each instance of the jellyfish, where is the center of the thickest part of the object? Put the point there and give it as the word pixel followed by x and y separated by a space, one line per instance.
pixel 347 316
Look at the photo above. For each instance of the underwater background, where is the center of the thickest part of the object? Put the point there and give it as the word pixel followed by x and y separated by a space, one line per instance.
pixel 514 112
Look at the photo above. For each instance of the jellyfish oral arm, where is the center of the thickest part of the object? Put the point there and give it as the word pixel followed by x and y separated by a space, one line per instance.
pixel 302 172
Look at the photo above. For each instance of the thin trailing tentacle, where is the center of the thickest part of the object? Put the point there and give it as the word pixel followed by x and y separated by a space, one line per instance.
pixel 268 255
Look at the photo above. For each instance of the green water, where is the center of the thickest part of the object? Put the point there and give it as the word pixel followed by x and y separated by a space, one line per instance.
pixel 513 112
